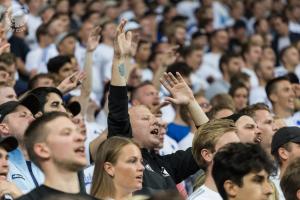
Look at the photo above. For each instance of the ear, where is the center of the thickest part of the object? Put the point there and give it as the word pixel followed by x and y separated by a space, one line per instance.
pixel 39 114
pixel 109 168
pixel 273 97
pixel 298 194
pixel 230 188
pixel 42 150
pixel 207 155
pixel 283 153
pixel 135 102
pixel 4 130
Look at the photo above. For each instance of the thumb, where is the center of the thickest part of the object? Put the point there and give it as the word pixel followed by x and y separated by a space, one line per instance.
pixel 171 100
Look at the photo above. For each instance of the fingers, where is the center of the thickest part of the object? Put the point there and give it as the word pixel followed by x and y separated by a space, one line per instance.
pixel 179 77
pixel 170 100
pixel 120 28
pixel 172 77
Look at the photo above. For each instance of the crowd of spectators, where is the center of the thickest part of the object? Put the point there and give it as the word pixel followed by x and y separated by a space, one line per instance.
pixel 150 99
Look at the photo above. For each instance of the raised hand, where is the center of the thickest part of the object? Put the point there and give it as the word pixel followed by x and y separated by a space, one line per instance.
pixel 180 91
pixel 122 43
pixel 93 39
pixel 71 82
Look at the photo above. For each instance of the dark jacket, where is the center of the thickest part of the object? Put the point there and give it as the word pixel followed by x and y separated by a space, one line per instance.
pixel 161 172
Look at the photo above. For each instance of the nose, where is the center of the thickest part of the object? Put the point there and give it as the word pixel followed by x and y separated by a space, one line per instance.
pixel 268 189
pixel 141 167
pixel 4 163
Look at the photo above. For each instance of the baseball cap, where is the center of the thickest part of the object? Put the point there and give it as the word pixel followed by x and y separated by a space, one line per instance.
pixel 29 101
pixel 8 143
pixel 285 135
pixel 132 25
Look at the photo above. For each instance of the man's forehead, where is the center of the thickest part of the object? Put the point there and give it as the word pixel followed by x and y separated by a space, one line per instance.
pixel 140 109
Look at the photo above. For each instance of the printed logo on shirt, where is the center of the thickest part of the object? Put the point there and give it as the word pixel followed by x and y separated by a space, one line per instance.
pixel 164 172
pixel 147 167
pixel 16 176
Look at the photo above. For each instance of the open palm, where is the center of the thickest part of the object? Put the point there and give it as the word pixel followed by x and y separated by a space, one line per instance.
pixel 180 91
pixel 122 43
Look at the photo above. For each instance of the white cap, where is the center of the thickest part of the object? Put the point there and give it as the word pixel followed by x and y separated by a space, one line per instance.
pixel 132 25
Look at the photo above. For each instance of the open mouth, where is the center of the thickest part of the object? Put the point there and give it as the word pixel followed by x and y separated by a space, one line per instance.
pixel 3 176
pixel 154 132
pixel 80 150
pixel 139 178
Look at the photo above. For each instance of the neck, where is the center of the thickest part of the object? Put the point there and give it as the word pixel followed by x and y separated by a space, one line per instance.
pixel 282 169
pixel 209 181
pixel 122 194
pixel 282 113
pixel 178 120
pixel 226 77
pixel 216 50
pixel 290 67
pixel 23 150
pixel 67 182
pixel 141 64
pixel 249 64
pixel 262 82
pixel 108 42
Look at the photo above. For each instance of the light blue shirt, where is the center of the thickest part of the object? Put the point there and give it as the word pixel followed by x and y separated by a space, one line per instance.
pixel 19 172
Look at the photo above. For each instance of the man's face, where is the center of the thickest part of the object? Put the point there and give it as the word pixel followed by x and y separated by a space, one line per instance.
pixel 266 70
pixel 3 164
pixel 254 54
pixel 293 152
pixel 195 59
pixel 279 26
pixel 64 137
pixel 109 31
pixel 180 34
pixel 255 186
pixel 18 121
pixel 234 66
pixel 7 94
pixel 144 52
pixel 65 71
pixel 85 30
pixel 10 72
pixel 284 95
pixel 148 96
pixel 54 103
pixel 265 124
pixel 67 46
pixel 240 98
pixel 291 57
pixel 145 127
pixel 222 40
pixel 247 130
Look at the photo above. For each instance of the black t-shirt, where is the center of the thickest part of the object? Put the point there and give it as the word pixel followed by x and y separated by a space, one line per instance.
pixel 44 192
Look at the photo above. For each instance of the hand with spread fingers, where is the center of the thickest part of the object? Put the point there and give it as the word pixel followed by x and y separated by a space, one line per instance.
pixel 123 40
pixel 93 39
pixel 71 82
pixel 9 188
pixel 180 91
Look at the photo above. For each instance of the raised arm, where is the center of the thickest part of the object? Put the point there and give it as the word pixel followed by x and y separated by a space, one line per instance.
pixel 118 118
pixel 86 88
pixel 182 94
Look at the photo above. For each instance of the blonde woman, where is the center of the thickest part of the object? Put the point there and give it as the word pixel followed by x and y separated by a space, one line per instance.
pixel 118 169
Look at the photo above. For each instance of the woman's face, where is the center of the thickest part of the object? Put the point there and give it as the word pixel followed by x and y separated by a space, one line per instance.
pixel 240 98
pixel 128 170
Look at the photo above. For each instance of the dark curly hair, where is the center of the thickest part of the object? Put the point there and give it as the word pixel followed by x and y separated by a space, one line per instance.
pixel 236 160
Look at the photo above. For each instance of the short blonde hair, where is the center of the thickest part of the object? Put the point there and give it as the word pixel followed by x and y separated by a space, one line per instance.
pixel 207 136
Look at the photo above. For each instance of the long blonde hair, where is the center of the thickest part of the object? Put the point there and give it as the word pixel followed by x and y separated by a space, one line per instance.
pixel 108 151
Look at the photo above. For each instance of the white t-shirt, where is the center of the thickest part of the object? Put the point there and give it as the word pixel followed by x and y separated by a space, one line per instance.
pixel 211 62
pixel 293 120
pixel 204 193
pixel 259 95
pixel 253 78
pixel 170 146
pixel 36 60
pixel 186 142
pixel 102 65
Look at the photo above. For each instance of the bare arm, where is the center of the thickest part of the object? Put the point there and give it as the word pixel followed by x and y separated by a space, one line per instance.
pixel 86 87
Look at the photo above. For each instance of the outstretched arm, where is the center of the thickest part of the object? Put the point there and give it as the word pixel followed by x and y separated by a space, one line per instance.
pixel 182 94
pixel 118 118
pixel 86 88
